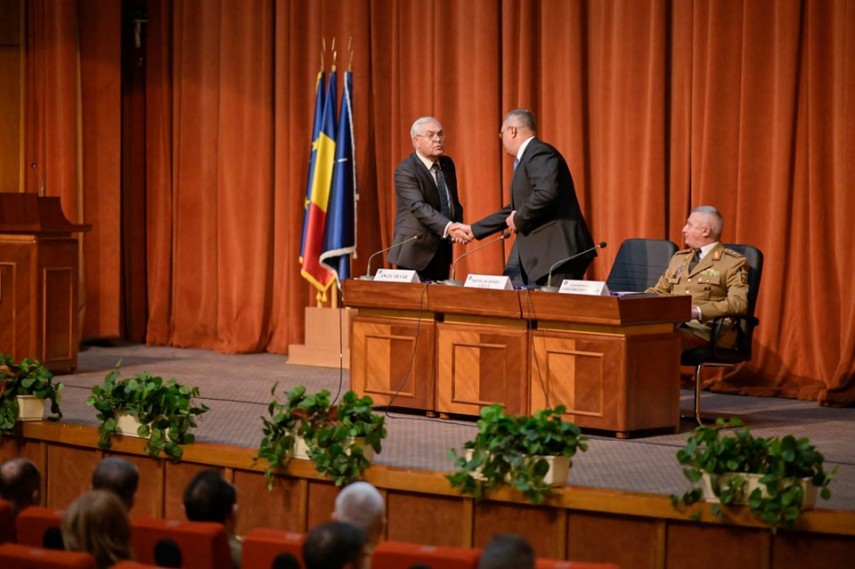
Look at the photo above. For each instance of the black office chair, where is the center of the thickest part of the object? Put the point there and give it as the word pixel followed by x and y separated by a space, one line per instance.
pixel 639 264
pixel 716 356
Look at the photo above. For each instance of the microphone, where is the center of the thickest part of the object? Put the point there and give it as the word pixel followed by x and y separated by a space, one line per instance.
pixel 368 276
pixel 41 179
pixel 549 287
pixel 453 282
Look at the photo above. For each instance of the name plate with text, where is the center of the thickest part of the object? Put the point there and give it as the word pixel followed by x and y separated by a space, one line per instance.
pixel 495 282
pixel 592 288
pixel 396 276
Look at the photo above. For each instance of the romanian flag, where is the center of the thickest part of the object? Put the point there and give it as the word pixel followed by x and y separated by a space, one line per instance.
pixel 316 131
pixel 340 231
pixel 319 196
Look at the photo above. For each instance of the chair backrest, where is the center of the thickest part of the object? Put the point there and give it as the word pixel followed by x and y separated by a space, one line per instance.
pixel 397 554
pixel 266 548
pixel 639 264
pixel 173 543
pixel 541 563
pixel 133 565
pixel 754 257
pixel 7 522
pixel 40 527
pixel 17 556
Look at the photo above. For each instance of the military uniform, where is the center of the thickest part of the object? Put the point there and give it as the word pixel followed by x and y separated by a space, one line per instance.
pixel 718 284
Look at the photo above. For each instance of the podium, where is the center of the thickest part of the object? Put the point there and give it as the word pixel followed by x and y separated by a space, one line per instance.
pixel 38 281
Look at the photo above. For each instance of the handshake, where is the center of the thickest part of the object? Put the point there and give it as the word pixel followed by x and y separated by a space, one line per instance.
pixel 460 233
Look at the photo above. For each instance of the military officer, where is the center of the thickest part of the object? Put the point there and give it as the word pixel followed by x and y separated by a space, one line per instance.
pixel 715 277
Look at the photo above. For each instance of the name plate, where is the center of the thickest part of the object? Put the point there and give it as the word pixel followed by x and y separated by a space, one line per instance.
pixel 396 276
pixel 495 282
pixel 592 288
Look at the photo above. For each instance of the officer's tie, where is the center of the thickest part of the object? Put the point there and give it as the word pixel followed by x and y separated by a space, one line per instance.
pixel 696 258
pixel 442 189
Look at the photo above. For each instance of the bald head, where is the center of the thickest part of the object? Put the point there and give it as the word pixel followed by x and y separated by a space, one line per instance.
pixel 20 482
pixel 362 505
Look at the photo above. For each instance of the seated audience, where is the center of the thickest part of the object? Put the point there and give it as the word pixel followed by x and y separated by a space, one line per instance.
pixel 210 498
pixel 20 484
pixel 507 551
pixel 119 476
pixel 362 505
pixel 97 523
pixel 715 277
pixel 334 545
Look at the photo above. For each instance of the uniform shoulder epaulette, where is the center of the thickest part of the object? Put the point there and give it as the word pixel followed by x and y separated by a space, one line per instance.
pixel 733 253
pixel 684 251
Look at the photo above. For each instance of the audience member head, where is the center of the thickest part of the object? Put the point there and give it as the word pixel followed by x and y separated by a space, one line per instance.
pixel 428 137
pixel 361 504
pixel 97 523
pixel 210 498
pixel 704 226
pixel 334 545
pixel 507 551
pixel 20 483
pixel 119 476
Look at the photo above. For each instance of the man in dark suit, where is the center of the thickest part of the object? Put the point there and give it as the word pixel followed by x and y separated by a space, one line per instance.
pixel 544 211
pixel 427 205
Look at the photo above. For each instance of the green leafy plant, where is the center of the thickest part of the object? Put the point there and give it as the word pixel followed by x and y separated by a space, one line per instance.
pixel 336 436
pixel 29 377
pixel 784 468
pixel 510 450
pixel 165 409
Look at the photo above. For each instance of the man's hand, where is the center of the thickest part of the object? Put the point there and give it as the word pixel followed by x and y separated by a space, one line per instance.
pixel 510 221
pixel 460 233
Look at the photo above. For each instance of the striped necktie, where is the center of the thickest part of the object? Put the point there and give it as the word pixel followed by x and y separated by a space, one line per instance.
pixel 442 190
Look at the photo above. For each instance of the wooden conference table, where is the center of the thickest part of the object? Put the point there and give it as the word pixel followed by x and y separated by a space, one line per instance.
pixel 613 362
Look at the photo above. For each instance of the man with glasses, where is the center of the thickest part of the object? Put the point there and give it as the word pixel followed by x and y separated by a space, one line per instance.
pixel 427 205
pixel 544 211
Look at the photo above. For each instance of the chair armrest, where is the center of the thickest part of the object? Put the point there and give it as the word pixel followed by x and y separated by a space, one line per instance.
pixel 731 336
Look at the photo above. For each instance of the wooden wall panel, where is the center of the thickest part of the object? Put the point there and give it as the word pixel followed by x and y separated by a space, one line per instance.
pixel 430 520
pixel 177 476
pixel 706 546
pixel 545 528
pixel 630 542
pixel 149 498
pixel 795 551
pixel 321 503
pixel 68 474
pixel 283 508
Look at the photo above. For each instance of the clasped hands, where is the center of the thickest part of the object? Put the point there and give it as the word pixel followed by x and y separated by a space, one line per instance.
pixel 460 233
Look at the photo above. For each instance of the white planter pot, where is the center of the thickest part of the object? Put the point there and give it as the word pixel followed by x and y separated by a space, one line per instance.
pixel 301 450
pixel 749 484
pixel 127 424
pixel 30 408
pixel 559 468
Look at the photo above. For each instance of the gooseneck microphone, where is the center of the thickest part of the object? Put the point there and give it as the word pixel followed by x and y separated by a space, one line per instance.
pixel 368 276
pixel 549 287
pixel 41 179
pixel 453 282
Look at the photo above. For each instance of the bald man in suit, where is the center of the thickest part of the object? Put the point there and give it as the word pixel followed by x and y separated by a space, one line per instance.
pixel 427 205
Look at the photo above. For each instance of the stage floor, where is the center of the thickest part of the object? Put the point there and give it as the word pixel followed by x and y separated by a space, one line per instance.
pixel 237 388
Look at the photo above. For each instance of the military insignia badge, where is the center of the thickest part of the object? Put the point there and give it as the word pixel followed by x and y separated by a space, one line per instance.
pixel 743 275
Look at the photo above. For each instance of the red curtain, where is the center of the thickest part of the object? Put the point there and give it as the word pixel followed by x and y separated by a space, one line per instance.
pixel 658 107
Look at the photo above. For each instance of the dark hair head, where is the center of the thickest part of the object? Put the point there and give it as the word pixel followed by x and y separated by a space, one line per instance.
pixel 333 545
pixel 118 476
pixel 209 498
pixel 507 551
pixel 19 483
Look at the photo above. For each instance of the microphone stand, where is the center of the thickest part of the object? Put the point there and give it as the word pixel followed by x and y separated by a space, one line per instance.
pixel 368 276
pixel 452 281
pixel 549 287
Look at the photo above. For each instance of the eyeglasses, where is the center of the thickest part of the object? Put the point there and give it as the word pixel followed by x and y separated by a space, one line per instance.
pixel 430 135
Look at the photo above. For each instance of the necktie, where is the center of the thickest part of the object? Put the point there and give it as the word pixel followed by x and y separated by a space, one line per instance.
pixel 442 187
pixel 696 257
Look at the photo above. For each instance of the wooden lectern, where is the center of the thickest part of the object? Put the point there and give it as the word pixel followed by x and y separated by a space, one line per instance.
pixel 38 281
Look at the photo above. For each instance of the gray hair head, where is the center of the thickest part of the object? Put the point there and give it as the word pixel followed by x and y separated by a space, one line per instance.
pixel 521 118
pixel 416 129
pixel 714 219
pixel 360 504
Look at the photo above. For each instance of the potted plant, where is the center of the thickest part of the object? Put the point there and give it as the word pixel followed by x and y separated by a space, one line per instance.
pixel 339 439
pixel 24 387
pixel 530 453
pixel 776 477
pixel 165 411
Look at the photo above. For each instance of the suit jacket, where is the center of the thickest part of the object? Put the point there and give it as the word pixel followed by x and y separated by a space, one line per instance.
pixel 549 221
pixel 419 211
pixel 718 284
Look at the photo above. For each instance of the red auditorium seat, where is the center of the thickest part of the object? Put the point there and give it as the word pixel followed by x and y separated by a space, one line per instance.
pixel 556 564
pixel 400 555
pixel 40 527
pixel 262 546
pixel 7 522
pixel 173 543
pixel 17 556
pixel 132 565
